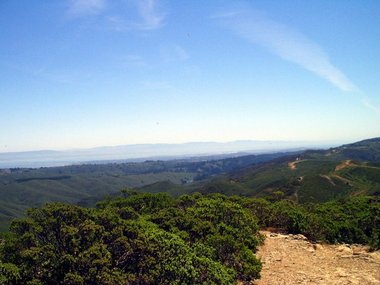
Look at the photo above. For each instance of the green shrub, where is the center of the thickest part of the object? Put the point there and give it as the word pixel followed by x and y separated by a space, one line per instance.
pixel 139 239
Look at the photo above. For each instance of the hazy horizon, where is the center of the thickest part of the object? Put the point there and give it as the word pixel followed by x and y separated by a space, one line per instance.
pixel 141 152
pixel 82 74
pixel 296 143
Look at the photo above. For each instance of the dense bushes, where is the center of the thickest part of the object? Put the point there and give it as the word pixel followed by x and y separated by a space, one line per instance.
pixel 350 220
pixel 156 239
pixel 140 239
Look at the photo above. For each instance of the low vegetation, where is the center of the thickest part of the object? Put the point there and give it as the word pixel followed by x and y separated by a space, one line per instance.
pixel 348 220
pixel 142 238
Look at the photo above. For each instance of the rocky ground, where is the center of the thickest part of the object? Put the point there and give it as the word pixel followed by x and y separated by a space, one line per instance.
pixel 292 259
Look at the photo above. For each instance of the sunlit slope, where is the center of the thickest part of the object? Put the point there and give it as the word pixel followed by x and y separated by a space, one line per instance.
pixel 314 176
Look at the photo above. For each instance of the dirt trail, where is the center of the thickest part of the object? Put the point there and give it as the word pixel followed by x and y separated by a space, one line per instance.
pixel 328 178
pixel 291 259
pixel 345 180
pixel 344 164
pixel 350 163
pixel 293 165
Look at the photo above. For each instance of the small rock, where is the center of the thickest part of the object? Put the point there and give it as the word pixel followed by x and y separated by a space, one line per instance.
pixel 299 237
pixel 317 246
pixel 344 249
pixel 310 249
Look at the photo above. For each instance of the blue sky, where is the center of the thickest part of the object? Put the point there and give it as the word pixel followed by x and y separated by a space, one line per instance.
pixel 85 73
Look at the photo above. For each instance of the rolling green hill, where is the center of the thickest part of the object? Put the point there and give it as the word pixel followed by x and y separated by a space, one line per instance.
pixel 313 176
pixel 22 188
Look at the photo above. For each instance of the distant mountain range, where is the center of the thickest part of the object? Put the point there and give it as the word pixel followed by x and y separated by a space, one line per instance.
pixel 141 152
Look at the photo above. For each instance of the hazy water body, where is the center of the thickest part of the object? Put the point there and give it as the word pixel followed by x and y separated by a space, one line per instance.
pixel 141 152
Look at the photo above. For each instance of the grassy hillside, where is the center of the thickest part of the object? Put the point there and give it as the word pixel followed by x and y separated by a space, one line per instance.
pixel 314 176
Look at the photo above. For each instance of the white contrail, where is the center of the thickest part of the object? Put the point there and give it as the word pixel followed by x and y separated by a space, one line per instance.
pixel 286 43
pixel 366 102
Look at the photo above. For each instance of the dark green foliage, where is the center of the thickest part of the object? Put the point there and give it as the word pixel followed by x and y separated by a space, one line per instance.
pixel 137 239
pixel 350 220
pixel 368 177
pixel 156 239
pixel 355 220
pixel 316 189
pixel 9 273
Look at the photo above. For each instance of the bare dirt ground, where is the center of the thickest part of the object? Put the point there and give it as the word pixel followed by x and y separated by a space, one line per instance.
pixel 350 163
pixel 293 165
pixel 344 164
pixel 291 259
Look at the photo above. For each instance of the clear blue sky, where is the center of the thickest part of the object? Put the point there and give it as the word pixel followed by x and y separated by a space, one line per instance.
pixel 84 73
